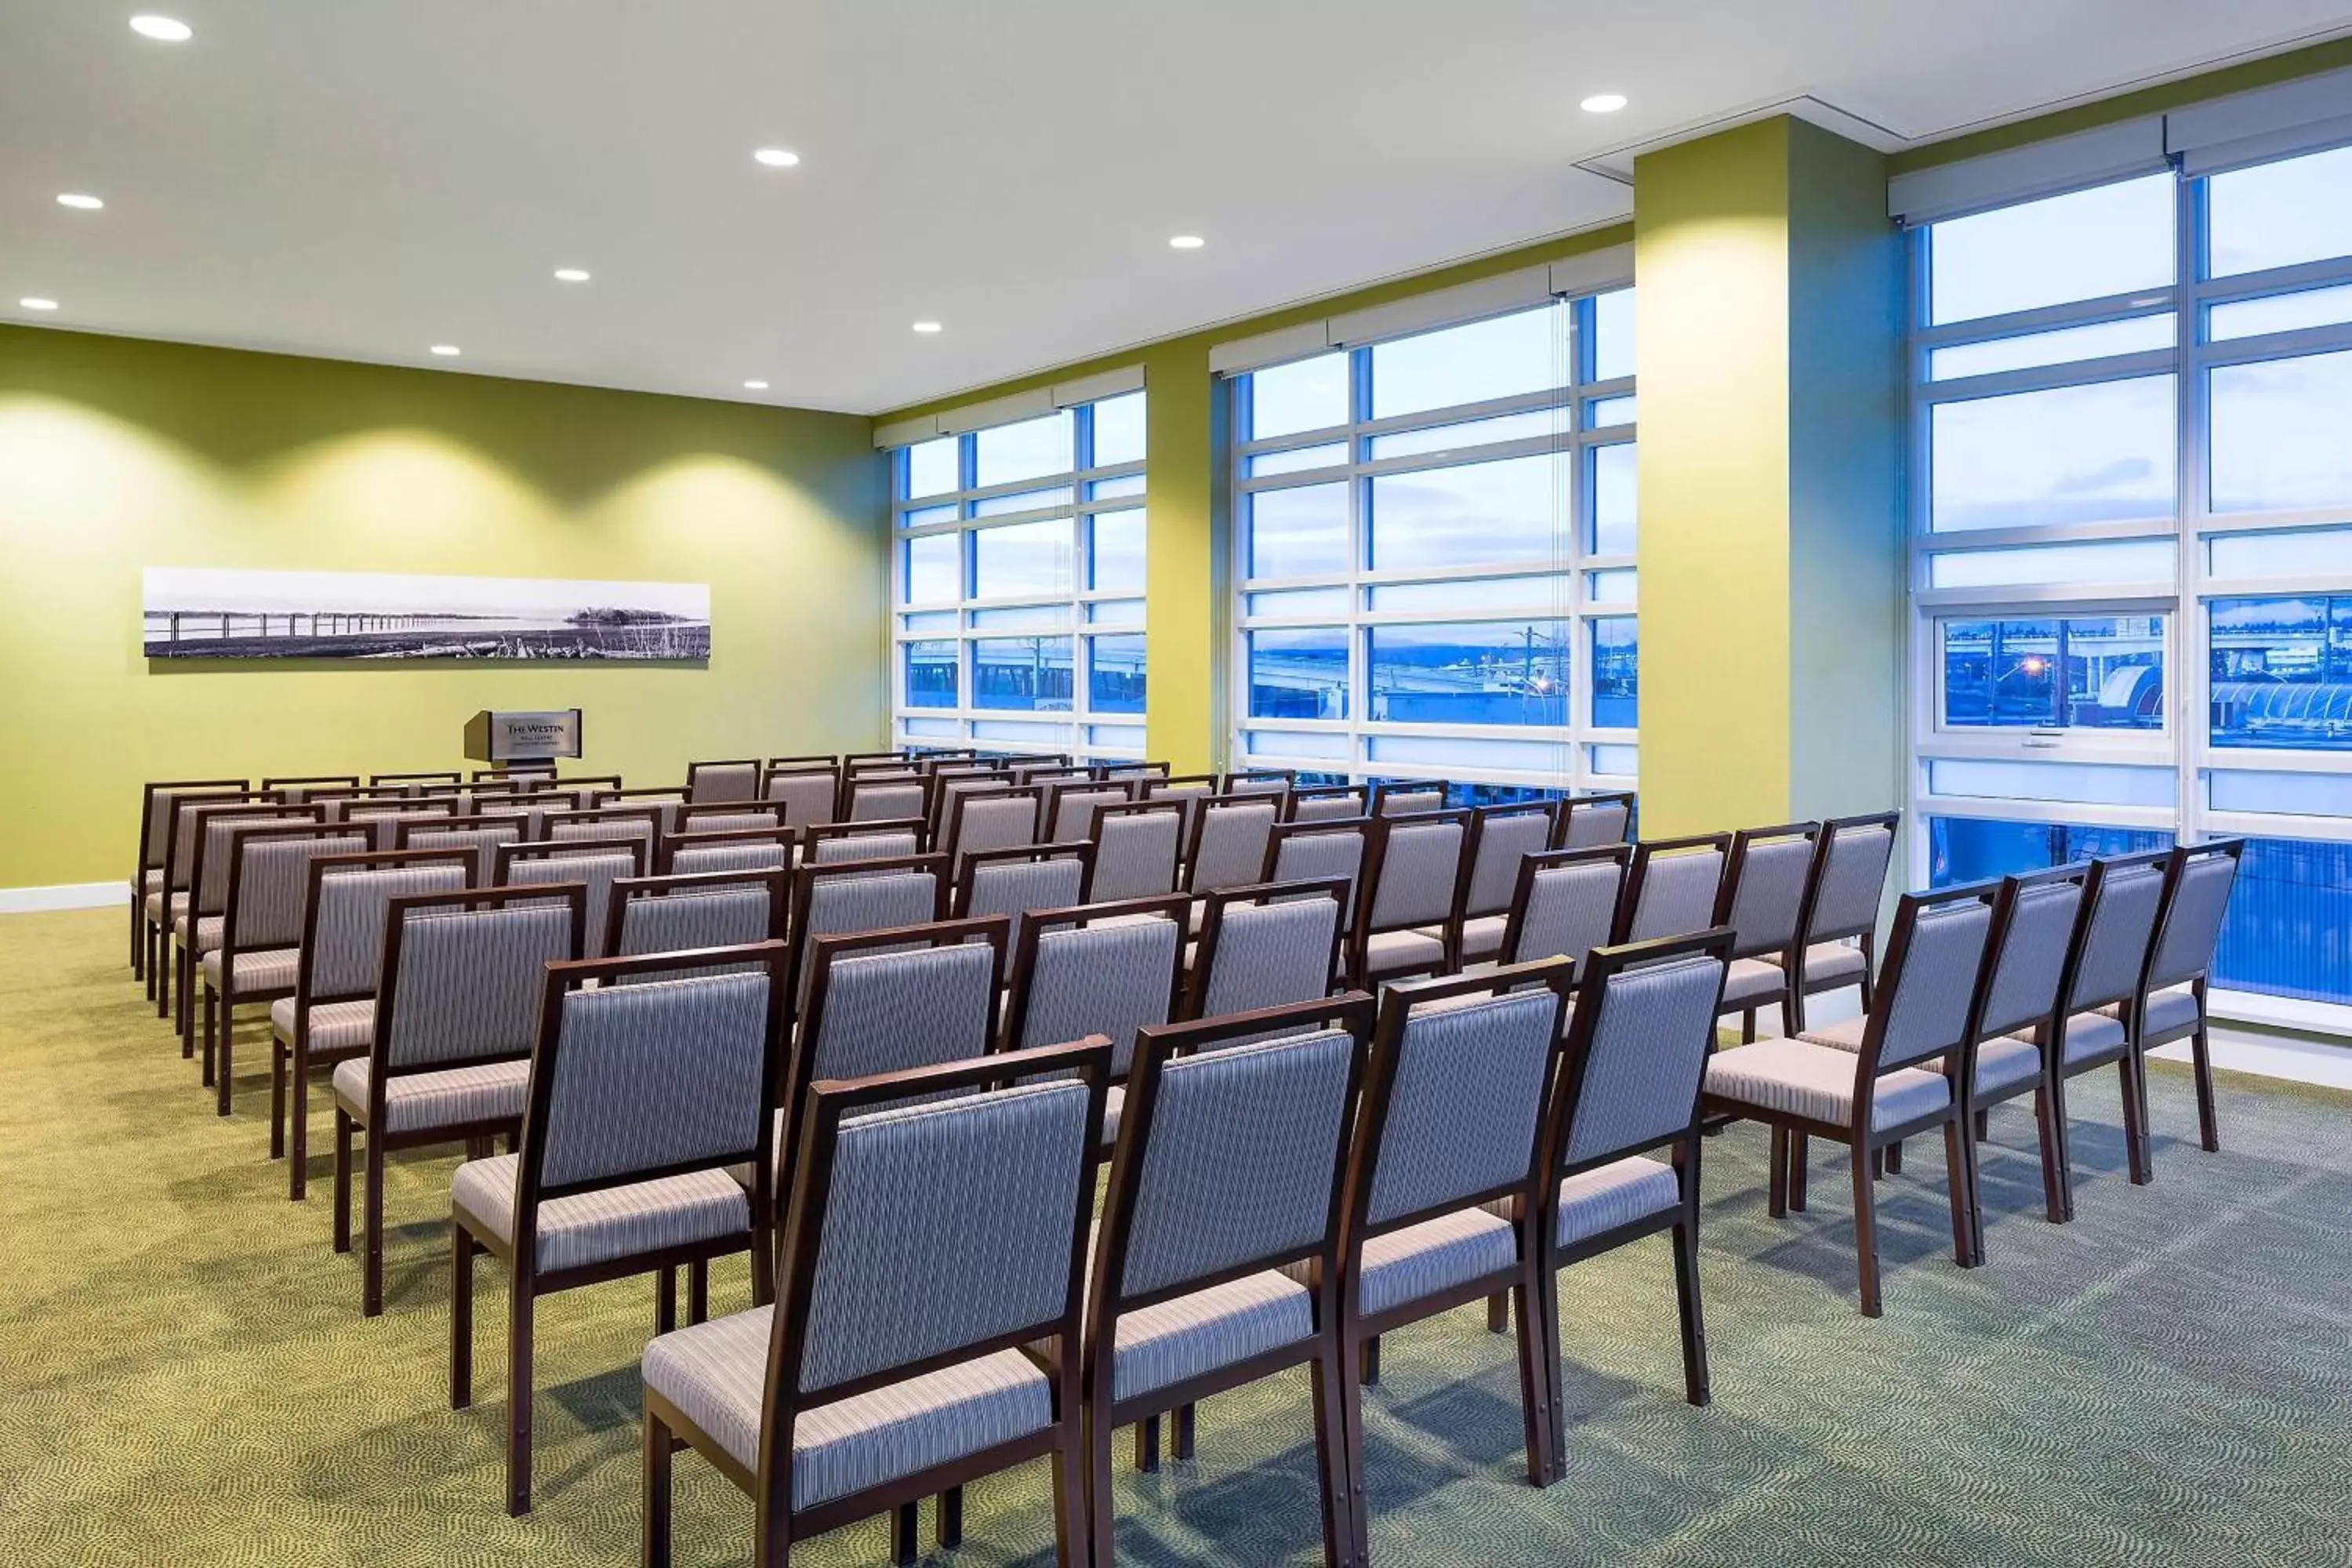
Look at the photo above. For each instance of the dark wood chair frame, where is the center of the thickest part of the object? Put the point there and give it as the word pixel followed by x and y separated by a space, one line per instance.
pixel 960 895
pixel 1383 788
pixel 1727 894
pixel 2131 1067
pixel 1515 924
pixel 474 1135
pixel 777 881
pixel 759 775
pixel 1306 793
pixel 1360 826
pixel 219 1023
pixel 1129 773
pixel 952 807
pixel 1232 783
pixel 159 935
pixel 1212 928
pixel 1361 926
pixel 665 856
pixel 405 781
pixel 151 858
pixel 304 781
pixel 526 1283
pixel 825 831
pixel 1181 806
pixel 804 881
pixel 601 813
pixel 1463 914
pixel 1036 923
pixel 767 808
pixel 1805 987
pixel 1648 849
pixel 404 834
pixel 1050 812
pixel 851 779
pixel 190 961
pixel 418 807
pixel 1570 805
pixel 2201 1054
pixel 805 763
pixel 1189 843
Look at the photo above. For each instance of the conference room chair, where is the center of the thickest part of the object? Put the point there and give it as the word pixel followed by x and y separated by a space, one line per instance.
pixel 339 798
pixel 260 933
pixel 1332 846
pixel 1016 879
pixel 155 802
pixel 1565 904
pixel 1399 797
pixel 1136 846
pixel 449 1059
pixel 1448 1131
pixel 1628 1091
pixel 1070 805
pixel 892 796
pixel 415 782
pixel 1226 844
pixel 331 1016
pixel 1004 818
pixel 595 863
pixel 893 759
pixel 879 840
pixel 161 909
pixel 481 832
pixel 1762 896
pixel 1673 887
pixel 722 784
pixel 1130 772
pixel 573 792
pixel 665 801
pixel 296 789
pixel 698 910
pixel 1258 781
pixel 1324 803
pixel 383 817
pixel 1096 968
pixel 1045 773
pixel 736 818
pixel 1589 820
pixel 642 1098
pixel 911 1301
pixel 1413 865
pixel 728 850
pixel 947 788
pixel 1225 1182
pixel 1185 791
pixel 641 824
pixel 1265 946
pixel 2170 1004
pixel 1500 837
pixel 1837 940
pixel 1905 1077
pixel 198 931
pixel 862 896
pixel 807 789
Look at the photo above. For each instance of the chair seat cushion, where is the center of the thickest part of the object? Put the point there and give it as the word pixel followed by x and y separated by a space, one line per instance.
pixel 614 1221
pixel 715 1372
pixel 1422 1260
pixel 151 882
pixel 208 932
pixel 1617 1193
pixel 1114 1102
pixel 453 1097
pixel 2172 1011
pixel 272 969
pixel 1832 961
pixel 2001 1061
pixel 2087 1035
pixel 1403 951
pixel 1186 1336
pixel 337 1028
pixel 1802 1079
pixel 1483 937
pixel 1751 980
pixel 154 907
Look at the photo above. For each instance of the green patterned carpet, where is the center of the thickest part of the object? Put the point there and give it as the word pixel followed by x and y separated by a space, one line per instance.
pixel 185 1376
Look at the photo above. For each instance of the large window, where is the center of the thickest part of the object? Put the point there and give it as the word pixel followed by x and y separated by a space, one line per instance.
pixel 1434 553
pixel 2132 555
pixel 1017 584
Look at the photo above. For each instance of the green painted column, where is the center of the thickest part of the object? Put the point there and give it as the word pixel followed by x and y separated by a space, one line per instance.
pixel 1184 561
pixel 1771 479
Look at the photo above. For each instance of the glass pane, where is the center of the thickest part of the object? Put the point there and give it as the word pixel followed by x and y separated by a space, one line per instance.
pixel 1615 761
pixel 1613 335
pixel 1036 737
pixel 931 729
pixel 1604 411
pixel 1305 394
pixel 1023 618
pixel 1300 674
pixel 1022 500
pixel 1118 430
pixel 1025 559
pixel 1116 557
pixel 2289 929
pixel 1298 460
pixel 2291 794
pixel 923 515
pixel 1440 752
pixel 2282 434
pixel 1474 672
pixel 1614 586
pixel 2282 672
pixel 933 468
pixel 2135 561
pixel 2080 783
pixel 2276 214
pixel 1030 673
pixel 1471 433
pixel 1452 517
pixel 1115 673
pixel 935 569
pixel 1298 743
pixel 1525 351
pixel 929 621
pixel 2063 347
pixel 2111 239
pixel 1616 672
pixel 2279 313
pixel 1116 612
pixel 931 674
pixel 2099 672
pixel 1298 532
pixel 1301 602
pixel 1613 500
pixel 1026 450
pixel 1974 849
pixel 2073 454
pixel 2284 554
pixel 1548 592
pixel 1109 489
pixel 1125 737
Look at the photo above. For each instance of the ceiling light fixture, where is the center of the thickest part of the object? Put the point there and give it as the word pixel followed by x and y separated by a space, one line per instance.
pixel 1187 242
pixel 755 386
pixel 1604 104
pixel 34 302
pixel 80 202
pixel 926 326
pixel 571 274
pixel 777 157
pixel 447 351
pixel 162 29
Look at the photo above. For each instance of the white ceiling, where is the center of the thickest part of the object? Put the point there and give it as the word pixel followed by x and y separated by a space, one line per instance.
pixel 364 178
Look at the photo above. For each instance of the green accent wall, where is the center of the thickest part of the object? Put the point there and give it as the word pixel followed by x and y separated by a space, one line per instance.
pixel 117 453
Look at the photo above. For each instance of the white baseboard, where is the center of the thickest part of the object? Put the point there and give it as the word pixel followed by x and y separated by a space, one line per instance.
pixel 2271 1056
pixel 69 896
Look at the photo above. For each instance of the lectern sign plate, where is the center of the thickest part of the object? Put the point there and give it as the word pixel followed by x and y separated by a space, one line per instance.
pixel 520 737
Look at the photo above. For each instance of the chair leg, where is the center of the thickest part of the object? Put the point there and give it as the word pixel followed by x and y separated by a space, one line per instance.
pixel 1747 1026
pixel 1498 1312
pixel 1348 1380
pixel 698 1290
pixel 1147 1444
pixel 665 1300
pixel 1073 1541
pixel 1368 1362
pixel 1799 1158
pixel 2134 1127
pixel 1100 1507
pixel 1894 1157
pixel 1333 1465
pixel 652 1551
pixel 1968 1141
pixel 206 1014
pixel 1535 1380
pixel 1984 1125
pixel 461 1317
pixel 2209 1128
pixel 2050 1119
pixel 1866 1227
pixel 905 1542
pixel 1695 1387
pixel 947 1523
pixel 164 974
pixel 371 1229
pixel 276 1099
pixel 297 1128
pixel 1182 1429
pixel 1957 1177
pixel 1776 1197
pixel 518 1319
pixel 183 998
pixel 225 1030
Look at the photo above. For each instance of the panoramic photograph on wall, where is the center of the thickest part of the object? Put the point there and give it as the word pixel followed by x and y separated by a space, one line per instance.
pixel 200 613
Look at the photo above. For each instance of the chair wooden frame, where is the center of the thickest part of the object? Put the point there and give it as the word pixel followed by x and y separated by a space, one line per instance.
pixel 1727 895
pixel 804 882
pixel 183 969
pixel 416 781
pixel 2131 1066
pixel 953 806
pixel 1164 906
pixel 1362 926
pixel 1523 896
pixel 1648 849
pixel 687 814
pixel 1050 813
pixel 1180 806
pixel 302 782
pixel 159 932
pixel 826 832
pixel 408 828
pixel 851 779
pixel 1213 925
pixel 1805 985
pixel 1383 788
pixel 1463 914
pixel 152 858
pixel 1129 773
pixel 960 891
pixel 1571 805
pixel 1302 794
pixel 2201 1056
pixel 758 775
pixel 777 881
pixel 1196 829
pixel 219 1025
pixel 787 839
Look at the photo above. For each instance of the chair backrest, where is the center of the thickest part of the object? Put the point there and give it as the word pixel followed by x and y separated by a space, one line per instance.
pixel 1315 849
pixel 640 823
pixel 382 818
pixel 1258 781
pixel 1230 1156
pixel 2198 881
pixel 2032 923
pixel 1227 845
pixel 2115 930
pixel 595 863
pixel 1401 797
pixel 1850 857
pixel 1131 772
pixel 1265 946
pixel 876 840
pixel 731 849
pixel 728 819
pixel 1567 903
pixel 155 803
pixel 1589 820
pixel 861 896
pixel 868 799
pixel 1001 818
pixel 1453 1096
pixel 664 803
pixel 343 910
pixel 1764 887
pixel 219 828
pixel 1500 837
pixel 1134 849
pixel 893 1260
pixel 268 878
pixel 415 783
pixel 480 833
pixel 1673 886
pixel 1071 803
pixel 296 789
pixel 888 1001
pixel 808 795
pixel 1413 868
pixel 698 910
pixel 713 784
pixel 1096 968
pixel 1324 803
pixel 463 974
pixel 183 828
pixel 1926 990
pixel 1185 791
pixel 947 788
pixel 1637 1049
pixel 1012 881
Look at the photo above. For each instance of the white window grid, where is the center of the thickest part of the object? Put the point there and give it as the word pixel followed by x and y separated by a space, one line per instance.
pixel 1571 571
pixel 1081 732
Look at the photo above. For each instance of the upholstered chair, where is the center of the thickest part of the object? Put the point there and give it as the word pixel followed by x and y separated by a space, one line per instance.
pixel 728 849
pixel 1136 846
pixel 1673 886
pixel 721 784
pixel 1500 837
pixel 595 863
pixel 1002 819
pixel 1131 771
pixel 1763 893
pixel 1414 865
pixel 807 789
pixel 1227 845
pixel 1071 804
pixel 1587 821
pixel 699 909
pixel 1324 803
pixel 1402 797
pixel 1837 941
pixel 1096 968
pixel 1265 946
pixel 200 928
pixel 296 789
pixel 174 893
pixel 860 896
pixel 1319 847
pixel 1567 903
pixel 155 802
pixel 2171 1001
pixel 742 817
pixel 261 932
pixel 874 798
pixel 482 833
pixel 1012 881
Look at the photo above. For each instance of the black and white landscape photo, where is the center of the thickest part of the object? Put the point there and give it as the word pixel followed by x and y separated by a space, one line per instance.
pixel 204 613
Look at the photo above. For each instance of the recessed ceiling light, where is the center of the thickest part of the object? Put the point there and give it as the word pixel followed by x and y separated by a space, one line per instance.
pixel 76 200
pixel 1187 242
pixel 777 157
pixel 162 29
pixel 1604 104
pixel 447 351
pixel 34 302
pixel 570 275
pixel 755 386
pixel 926 326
